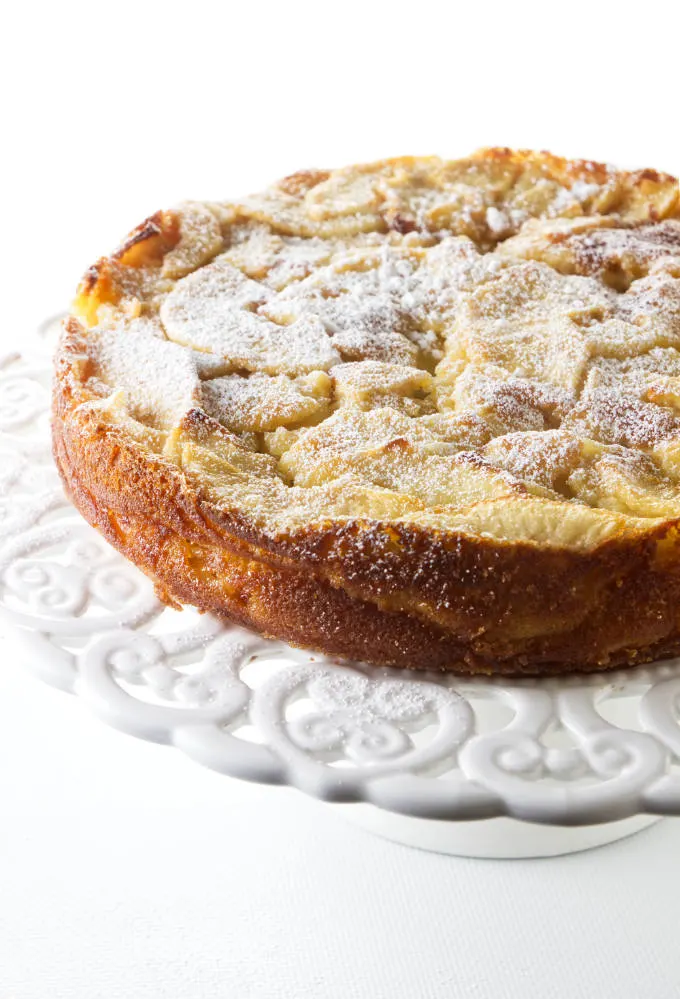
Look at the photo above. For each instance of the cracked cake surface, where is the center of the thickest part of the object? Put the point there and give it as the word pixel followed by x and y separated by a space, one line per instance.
pixel 422 413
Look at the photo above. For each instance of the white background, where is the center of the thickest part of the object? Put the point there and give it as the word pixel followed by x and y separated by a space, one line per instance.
pixel 126 871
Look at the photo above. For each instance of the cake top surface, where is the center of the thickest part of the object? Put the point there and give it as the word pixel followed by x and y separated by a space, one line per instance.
pixel 488 346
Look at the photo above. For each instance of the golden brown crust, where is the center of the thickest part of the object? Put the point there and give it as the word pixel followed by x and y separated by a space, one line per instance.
pixel 159 233
pixel 408 589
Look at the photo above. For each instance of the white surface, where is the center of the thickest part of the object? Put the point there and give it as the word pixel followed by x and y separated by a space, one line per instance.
pixel 126 871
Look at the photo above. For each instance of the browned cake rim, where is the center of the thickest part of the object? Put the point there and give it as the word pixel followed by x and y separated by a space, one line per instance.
pixel 358 575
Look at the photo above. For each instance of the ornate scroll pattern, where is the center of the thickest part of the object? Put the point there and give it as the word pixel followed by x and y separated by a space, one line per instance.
pixel 581 750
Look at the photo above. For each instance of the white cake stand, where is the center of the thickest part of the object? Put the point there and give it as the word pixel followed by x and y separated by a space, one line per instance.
pixel 469 767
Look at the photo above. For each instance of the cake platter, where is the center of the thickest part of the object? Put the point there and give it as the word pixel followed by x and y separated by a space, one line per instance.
pixel 466 766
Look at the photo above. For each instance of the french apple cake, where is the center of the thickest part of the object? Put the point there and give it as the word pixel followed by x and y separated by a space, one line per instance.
pixel 418 413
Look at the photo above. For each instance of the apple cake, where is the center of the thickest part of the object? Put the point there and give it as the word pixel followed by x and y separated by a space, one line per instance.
pixel 419 413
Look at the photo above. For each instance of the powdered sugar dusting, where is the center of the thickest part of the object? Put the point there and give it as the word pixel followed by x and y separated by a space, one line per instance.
pixel 159 379
pixel 263 403
pixel 419 336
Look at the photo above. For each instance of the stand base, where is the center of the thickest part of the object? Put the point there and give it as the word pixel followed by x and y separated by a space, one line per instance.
pixel 491 839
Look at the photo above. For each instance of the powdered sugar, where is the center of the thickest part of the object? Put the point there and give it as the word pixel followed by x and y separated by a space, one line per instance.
pixel 211 310
pixel 263 403
pixel 612 418
pixel 159 379
pixel 499 222
pixel 377 338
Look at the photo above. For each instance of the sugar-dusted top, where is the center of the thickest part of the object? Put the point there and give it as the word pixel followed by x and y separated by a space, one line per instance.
pixel 490 345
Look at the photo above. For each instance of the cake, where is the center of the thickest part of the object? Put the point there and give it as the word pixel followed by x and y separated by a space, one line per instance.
pixel 417 413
